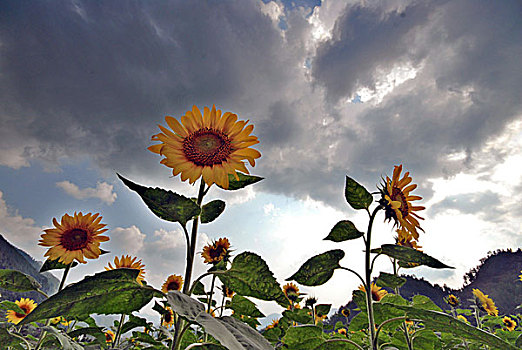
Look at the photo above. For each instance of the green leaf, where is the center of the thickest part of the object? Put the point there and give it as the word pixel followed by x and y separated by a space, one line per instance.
pixel 389 280
pixel 92 331
pixel 54 265
pixel 166 205
pixel 17 281
pixel 207 346
pixel 109 292
pixel 199 289
pixel 231 333
pixel 423 302
pixel 7 339
pixel 304 337
pixel 243 306
pixel 356 195
pixel 343 231
pixel 148 339
pixel 133 322
pixel 244 180
pixel 160 309
pixel 250 276
pixel 303 316
pixel 66 342
pixel 211 210
pixel 11 305
pixel 322 309
pixel 518 342
pixel 410 255
pixel 318 269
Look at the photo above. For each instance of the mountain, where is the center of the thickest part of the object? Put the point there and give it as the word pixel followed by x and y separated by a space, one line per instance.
pixel 497 276
pixel 14 258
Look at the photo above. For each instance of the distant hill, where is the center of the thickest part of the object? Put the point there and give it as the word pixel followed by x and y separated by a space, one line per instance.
pixel 496 276
pixel 14 258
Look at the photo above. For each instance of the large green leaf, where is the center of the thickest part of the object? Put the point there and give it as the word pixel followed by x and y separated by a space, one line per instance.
pixel 318 269
pixel 302 316
pixel 211 210
pixel 167 205
pixel 389 280
pixel 356 195
pixel 243 306
pixel 244 180
pixel 109 292
pixel 11 305
pixel 308 337
pixel 322 309
pixel 7 339
pixel 54 265
pixel 250 276
pixel 133 322
pixel 65 341
pixel 231 333
pixel 410 255
pixel 343 231
pixel 92 331
pixel 17 281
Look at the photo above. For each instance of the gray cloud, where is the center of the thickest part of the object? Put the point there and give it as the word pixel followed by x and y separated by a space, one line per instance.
pixel 486 204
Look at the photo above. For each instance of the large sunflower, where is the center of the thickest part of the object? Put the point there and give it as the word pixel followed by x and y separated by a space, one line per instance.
pixel 173 282
pixel 217 251
pixel 26 304
pixel 396 199
pixel 131 263
pixel 377 292
pixel 75 237
pixel 209 145
pixel 485 303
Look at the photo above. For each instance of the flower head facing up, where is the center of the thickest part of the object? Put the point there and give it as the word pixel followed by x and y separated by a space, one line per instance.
pixel 453 300
pixel 509 323
pixel 397 202
pixel 291 291
pixel 217 251
pixel 211 145
pixel 109 336
pixel 168 317
pixel 127 262
pixel 26 304
pixel 74 238
pixel 173 282
pixel 377 292
pixel 485 303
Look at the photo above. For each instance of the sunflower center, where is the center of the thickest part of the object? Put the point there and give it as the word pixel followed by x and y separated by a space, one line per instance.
pixel 26 310
pixel 397 195
pixel 207 147
pixel 168 317
pixel 173 286
pixel 216 252
pixel 75 239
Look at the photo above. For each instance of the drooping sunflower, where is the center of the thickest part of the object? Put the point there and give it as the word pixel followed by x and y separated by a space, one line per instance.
pixel 75 237
pixel 291 291
pixel 109 336
pixel 168 317
pixel 509 323
pixel 485 303
pixel 217 251
pixel 453 300
pixel 405 239
pixel 127 261
pixel 310 301
pixel 26 304
pixel 173 282
pixel 377 292
pixel 397 202
pixel 211 145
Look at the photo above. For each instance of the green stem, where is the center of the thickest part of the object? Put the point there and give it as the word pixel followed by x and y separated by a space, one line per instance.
pixel 118 332
pixel 21 337
pixel 222 304
pixel 345 341
pixel 211 294
pixel 368 269
pixel 355 273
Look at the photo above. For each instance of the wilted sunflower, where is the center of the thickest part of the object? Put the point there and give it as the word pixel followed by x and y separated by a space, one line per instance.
pixel 168 317
pixel 377 292
pixel 396 200
pixel 405 239
pixel 209 145
pixel 173 282
pixel 75 237
pixel 217 251
pixel 127 262
pixel 109 336
pixel 291 291
pixel 485 303
pixel 26 304
pixel 453 300
pixel 509 323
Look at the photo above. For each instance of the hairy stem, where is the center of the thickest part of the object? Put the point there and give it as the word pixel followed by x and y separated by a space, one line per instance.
pixel 368 269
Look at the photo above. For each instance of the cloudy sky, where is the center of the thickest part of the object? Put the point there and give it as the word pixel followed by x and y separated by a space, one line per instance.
pixel 332 87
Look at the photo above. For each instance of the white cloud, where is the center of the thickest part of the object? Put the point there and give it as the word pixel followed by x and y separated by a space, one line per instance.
pixel 103 191
pixel 130 239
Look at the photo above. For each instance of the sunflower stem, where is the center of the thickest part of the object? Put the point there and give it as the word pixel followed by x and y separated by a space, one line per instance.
pixel 116 342
pixel 211 293
pixel 368 269
pixel 222 304
pixel 355 273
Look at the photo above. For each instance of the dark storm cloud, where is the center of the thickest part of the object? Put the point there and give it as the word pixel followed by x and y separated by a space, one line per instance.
pixel 487 203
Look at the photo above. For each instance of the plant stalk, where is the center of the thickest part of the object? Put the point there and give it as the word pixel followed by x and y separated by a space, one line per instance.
pixel 367 288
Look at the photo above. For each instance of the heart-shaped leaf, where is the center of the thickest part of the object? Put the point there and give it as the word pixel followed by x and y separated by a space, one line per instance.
pixel 318 269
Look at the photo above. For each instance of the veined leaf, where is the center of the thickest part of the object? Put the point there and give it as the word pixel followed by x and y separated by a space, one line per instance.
pixel 65 341
pixel 356 195
pixel 302 316
pixel 109 292
pixel 92 331
pixel 55 265
pixel 17 281
pixel 243 306
pixel 318 269
pixel 244 180
pixel 390 280
pixel 343 231
pixel 323 309
pixel 11 305
pixel 410 255
pixel 166 205
pixel 211 211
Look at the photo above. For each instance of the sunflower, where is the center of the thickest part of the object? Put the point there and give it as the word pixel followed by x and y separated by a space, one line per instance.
pixel 56 320
pixel 228 292
pixel 453 300
pixel 377 292
pixel 462 318
pixel 168 317
pixel 509 323
pixel 217 251
pixel 342 331
pixel 345 311
pixel 485 303
pixel 209 145
pixel 405 239
pixel 109 336
pixel 291 291
pixel 127 262
pixel 75 237
pixel 173 282
pixel 396 200
pixel 26 304
pixel 310 301
pixel 274 324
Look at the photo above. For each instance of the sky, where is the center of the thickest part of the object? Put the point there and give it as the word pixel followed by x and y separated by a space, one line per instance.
pixel 333 88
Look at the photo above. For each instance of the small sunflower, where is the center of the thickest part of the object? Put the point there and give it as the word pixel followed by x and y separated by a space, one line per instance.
pixel 345 311
pixel 75 237
pixel 485 303
pixel 319 318
pixel 462 318
pixel 520 276
pixel 209 145
pixel 109 336
pixel 217 251
pixel 509 323
pixel 310 301
pixel 26 304
pixel 405 239
pixel 64 322
pixel 228 292
pixel 291 291
pixel 453 300
pixel 56 320
pixel 168 317
pixel 274 324
pixel 342 331
pixel 173 282
pixel 396 199
pixel 377 292
pixel 127 262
